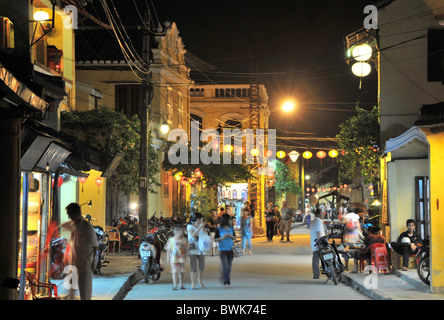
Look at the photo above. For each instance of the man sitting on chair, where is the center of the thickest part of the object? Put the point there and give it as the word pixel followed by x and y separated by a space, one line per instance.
pixel 407 243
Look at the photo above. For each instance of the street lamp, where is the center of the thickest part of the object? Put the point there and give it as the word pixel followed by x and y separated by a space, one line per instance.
pixel 163 127
pixel 46 23
pixel 288 106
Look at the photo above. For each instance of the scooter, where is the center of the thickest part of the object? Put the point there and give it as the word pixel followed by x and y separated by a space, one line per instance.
pixel 59 253
pixel 103 241
pixel 129 236
pixel 331 262
pixel 149 251
pixel 423 262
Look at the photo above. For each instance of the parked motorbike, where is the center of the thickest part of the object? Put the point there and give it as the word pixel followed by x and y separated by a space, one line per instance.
pixel 423 262
pixel 129 237
pixel 331 262
pixel 103 241
pixel 59 257
pixel 149 251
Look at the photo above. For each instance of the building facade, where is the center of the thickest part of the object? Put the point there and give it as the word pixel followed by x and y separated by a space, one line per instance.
pixel 229 106
pixel 106 79
pixel 411 40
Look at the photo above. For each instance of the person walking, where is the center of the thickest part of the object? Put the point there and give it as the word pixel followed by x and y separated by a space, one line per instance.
pixel 269 221
pixel 83 250
pixel 225 236
pixel 212 224
pixel 176 249
pixel 195 230
pixel 317 230
pixel 247 230
pixel 286 218
pixel 351 238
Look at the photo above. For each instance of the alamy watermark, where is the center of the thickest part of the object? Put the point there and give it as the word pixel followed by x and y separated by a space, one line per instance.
pixel 70 21
pixel 188 151
pixel 371 21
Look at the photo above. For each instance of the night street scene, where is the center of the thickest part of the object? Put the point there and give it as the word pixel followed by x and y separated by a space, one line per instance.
pixel 222 158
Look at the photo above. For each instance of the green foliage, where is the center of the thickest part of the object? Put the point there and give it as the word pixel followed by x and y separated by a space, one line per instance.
pixel 285 181
pixel 113 132
pixel 360 140
pixel 214 174
pixel 203 202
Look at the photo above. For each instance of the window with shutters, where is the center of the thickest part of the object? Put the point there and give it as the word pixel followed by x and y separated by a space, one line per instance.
pixel 422 207
pixel 170 103
pixel 128 99
pixel 6 33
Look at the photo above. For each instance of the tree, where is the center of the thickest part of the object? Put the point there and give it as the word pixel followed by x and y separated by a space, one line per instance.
pixel 113 132
pixel 360 140
pixel 285 181
pixel 214 174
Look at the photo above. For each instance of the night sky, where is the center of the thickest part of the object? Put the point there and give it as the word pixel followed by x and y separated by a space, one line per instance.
pixel 299 45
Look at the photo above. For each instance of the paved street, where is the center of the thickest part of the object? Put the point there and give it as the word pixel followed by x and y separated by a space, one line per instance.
pixel 276 271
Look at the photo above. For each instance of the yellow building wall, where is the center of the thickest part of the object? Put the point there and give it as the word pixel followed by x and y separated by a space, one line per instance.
pixel 401 192
pixel 91 191
pixel 436 210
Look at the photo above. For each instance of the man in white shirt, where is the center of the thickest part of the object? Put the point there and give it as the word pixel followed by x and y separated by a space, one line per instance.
pixel 316 231
pixel 83 247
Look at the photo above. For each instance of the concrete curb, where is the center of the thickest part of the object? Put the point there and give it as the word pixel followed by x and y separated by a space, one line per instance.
pixel 359 286
pixel 126 287
pixel 419 285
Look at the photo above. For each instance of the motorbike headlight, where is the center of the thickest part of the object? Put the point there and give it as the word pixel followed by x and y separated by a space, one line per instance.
pixel 125 233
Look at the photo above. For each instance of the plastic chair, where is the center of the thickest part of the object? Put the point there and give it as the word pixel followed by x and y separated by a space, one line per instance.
pixel 380 260
pixel 114 237
pixel 372 260
pixel 34 284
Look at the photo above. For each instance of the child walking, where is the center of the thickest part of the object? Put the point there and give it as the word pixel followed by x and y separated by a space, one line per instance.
pixel 176 249
pixel 247 230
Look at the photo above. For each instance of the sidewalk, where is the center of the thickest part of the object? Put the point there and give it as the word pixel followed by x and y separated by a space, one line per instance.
pixel 118 276
pixel 121 274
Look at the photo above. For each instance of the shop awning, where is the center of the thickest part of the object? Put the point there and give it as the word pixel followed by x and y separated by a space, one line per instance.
pixel 336 197
pixel 47 150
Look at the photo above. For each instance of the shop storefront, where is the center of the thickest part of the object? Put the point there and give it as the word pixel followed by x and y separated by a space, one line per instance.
pixel 232 197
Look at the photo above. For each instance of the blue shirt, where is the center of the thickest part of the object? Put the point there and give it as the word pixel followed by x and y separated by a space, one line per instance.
pixel 227 243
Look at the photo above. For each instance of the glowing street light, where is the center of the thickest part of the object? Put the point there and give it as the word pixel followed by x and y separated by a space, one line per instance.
pixel 288 106
pixel 362 52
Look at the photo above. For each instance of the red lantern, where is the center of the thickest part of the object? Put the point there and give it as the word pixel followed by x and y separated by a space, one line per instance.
pixel 308 189
pixel 82 180
pixel 59 182
pixel 98 182
pixel 321 155
pixel 345 186
pixel 197 173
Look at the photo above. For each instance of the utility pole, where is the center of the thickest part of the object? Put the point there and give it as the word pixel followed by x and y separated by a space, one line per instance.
pixel 255 185
pixel 147 95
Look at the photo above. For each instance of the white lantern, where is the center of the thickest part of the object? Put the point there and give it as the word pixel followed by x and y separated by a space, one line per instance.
pixel 362 52
pixel 361 69
pixel 294 155
pixel 41 15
